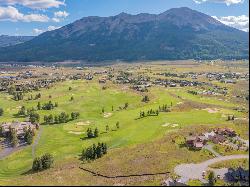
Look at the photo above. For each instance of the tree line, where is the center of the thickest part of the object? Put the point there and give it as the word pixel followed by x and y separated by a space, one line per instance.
pixel 46 106
pixel 61 118
pixel 151 112
pixel 94 152
pixel 33 116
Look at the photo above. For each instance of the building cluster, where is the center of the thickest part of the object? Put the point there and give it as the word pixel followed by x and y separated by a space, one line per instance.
pixel 223 136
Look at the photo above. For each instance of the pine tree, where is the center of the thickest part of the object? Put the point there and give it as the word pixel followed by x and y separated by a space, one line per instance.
pixel 37 164
pixel 107 128
pixel 39 106
pixel 47 161
pixel 13 138
pixel 1 111
pixel 117 125
pixel 96 133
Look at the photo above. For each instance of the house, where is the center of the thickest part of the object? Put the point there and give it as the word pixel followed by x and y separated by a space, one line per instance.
pixel 173 182
pixel 209 134
pixel 217 139
pixel 196 142
pixel 225 132
pixel 102 80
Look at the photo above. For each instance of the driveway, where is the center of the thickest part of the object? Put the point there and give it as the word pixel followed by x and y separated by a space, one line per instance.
pixel 209 147
pixel 194 171
pixel 7 149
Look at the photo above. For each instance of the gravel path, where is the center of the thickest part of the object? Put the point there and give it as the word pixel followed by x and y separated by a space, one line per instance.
pixel 36 142
pixel 194 171
pixel 209 147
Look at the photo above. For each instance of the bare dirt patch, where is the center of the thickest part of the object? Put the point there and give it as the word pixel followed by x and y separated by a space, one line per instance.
pixel 86 123
pixel 107 115
pixel 166 124
pixel 212 110
pixel 170 125
pixel 76 133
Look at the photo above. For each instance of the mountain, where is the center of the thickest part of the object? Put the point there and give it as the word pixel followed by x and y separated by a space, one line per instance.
pixel 6 40
pixel 179 33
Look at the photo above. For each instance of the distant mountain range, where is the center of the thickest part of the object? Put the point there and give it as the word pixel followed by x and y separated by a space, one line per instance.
pixel 6 40
pixel 179 33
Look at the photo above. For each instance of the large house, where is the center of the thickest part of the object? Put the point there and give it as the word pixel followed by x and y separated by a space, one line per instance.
pixel 216 136
pixel 196 142
pixel 19 127
pixel 225 132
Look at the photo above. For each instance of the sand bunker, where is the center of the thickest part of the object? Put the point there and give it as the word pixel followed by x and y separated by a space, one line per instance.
pixel 106 115
pixel 166 125
pixel 212 110
pixel 172 125
pixel 77 133
pixel 86 123
pixel 175 125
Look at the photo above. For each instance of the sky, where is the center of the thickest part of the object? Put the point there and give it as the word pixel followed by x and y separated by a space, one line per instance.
pixel 32 17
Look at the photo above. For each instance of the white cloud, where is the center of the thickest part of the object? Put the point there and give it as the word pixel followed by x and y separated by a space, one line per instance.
pixel 37 31
pixel 238 22
pixel 12 14
pixel 40 31
pixel 61 14
pixel 56 19
pixel 51 28
pixel 228 2
pixel 35 4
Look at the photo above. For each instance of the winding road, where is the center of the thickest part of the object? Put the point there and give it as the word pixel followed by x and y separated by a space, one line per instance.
pixel 194 171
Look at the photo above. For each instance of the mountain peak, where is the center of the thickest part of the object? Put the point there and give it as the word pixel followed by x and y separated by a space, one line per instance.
pixel 123 15
pixel 179 33
pixel 185 16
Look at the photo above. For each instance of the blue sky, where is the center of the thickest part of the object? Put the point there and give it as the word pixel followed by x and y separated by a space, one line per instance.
pixel 32 17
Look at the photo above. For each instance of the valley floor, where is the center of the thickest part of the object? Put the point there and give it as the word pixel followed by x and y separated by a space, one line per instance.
pixel 150 145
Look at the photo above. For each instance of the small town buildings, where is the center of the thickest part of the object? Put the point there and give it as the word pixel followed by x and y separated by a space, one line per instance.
pixel 216 136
